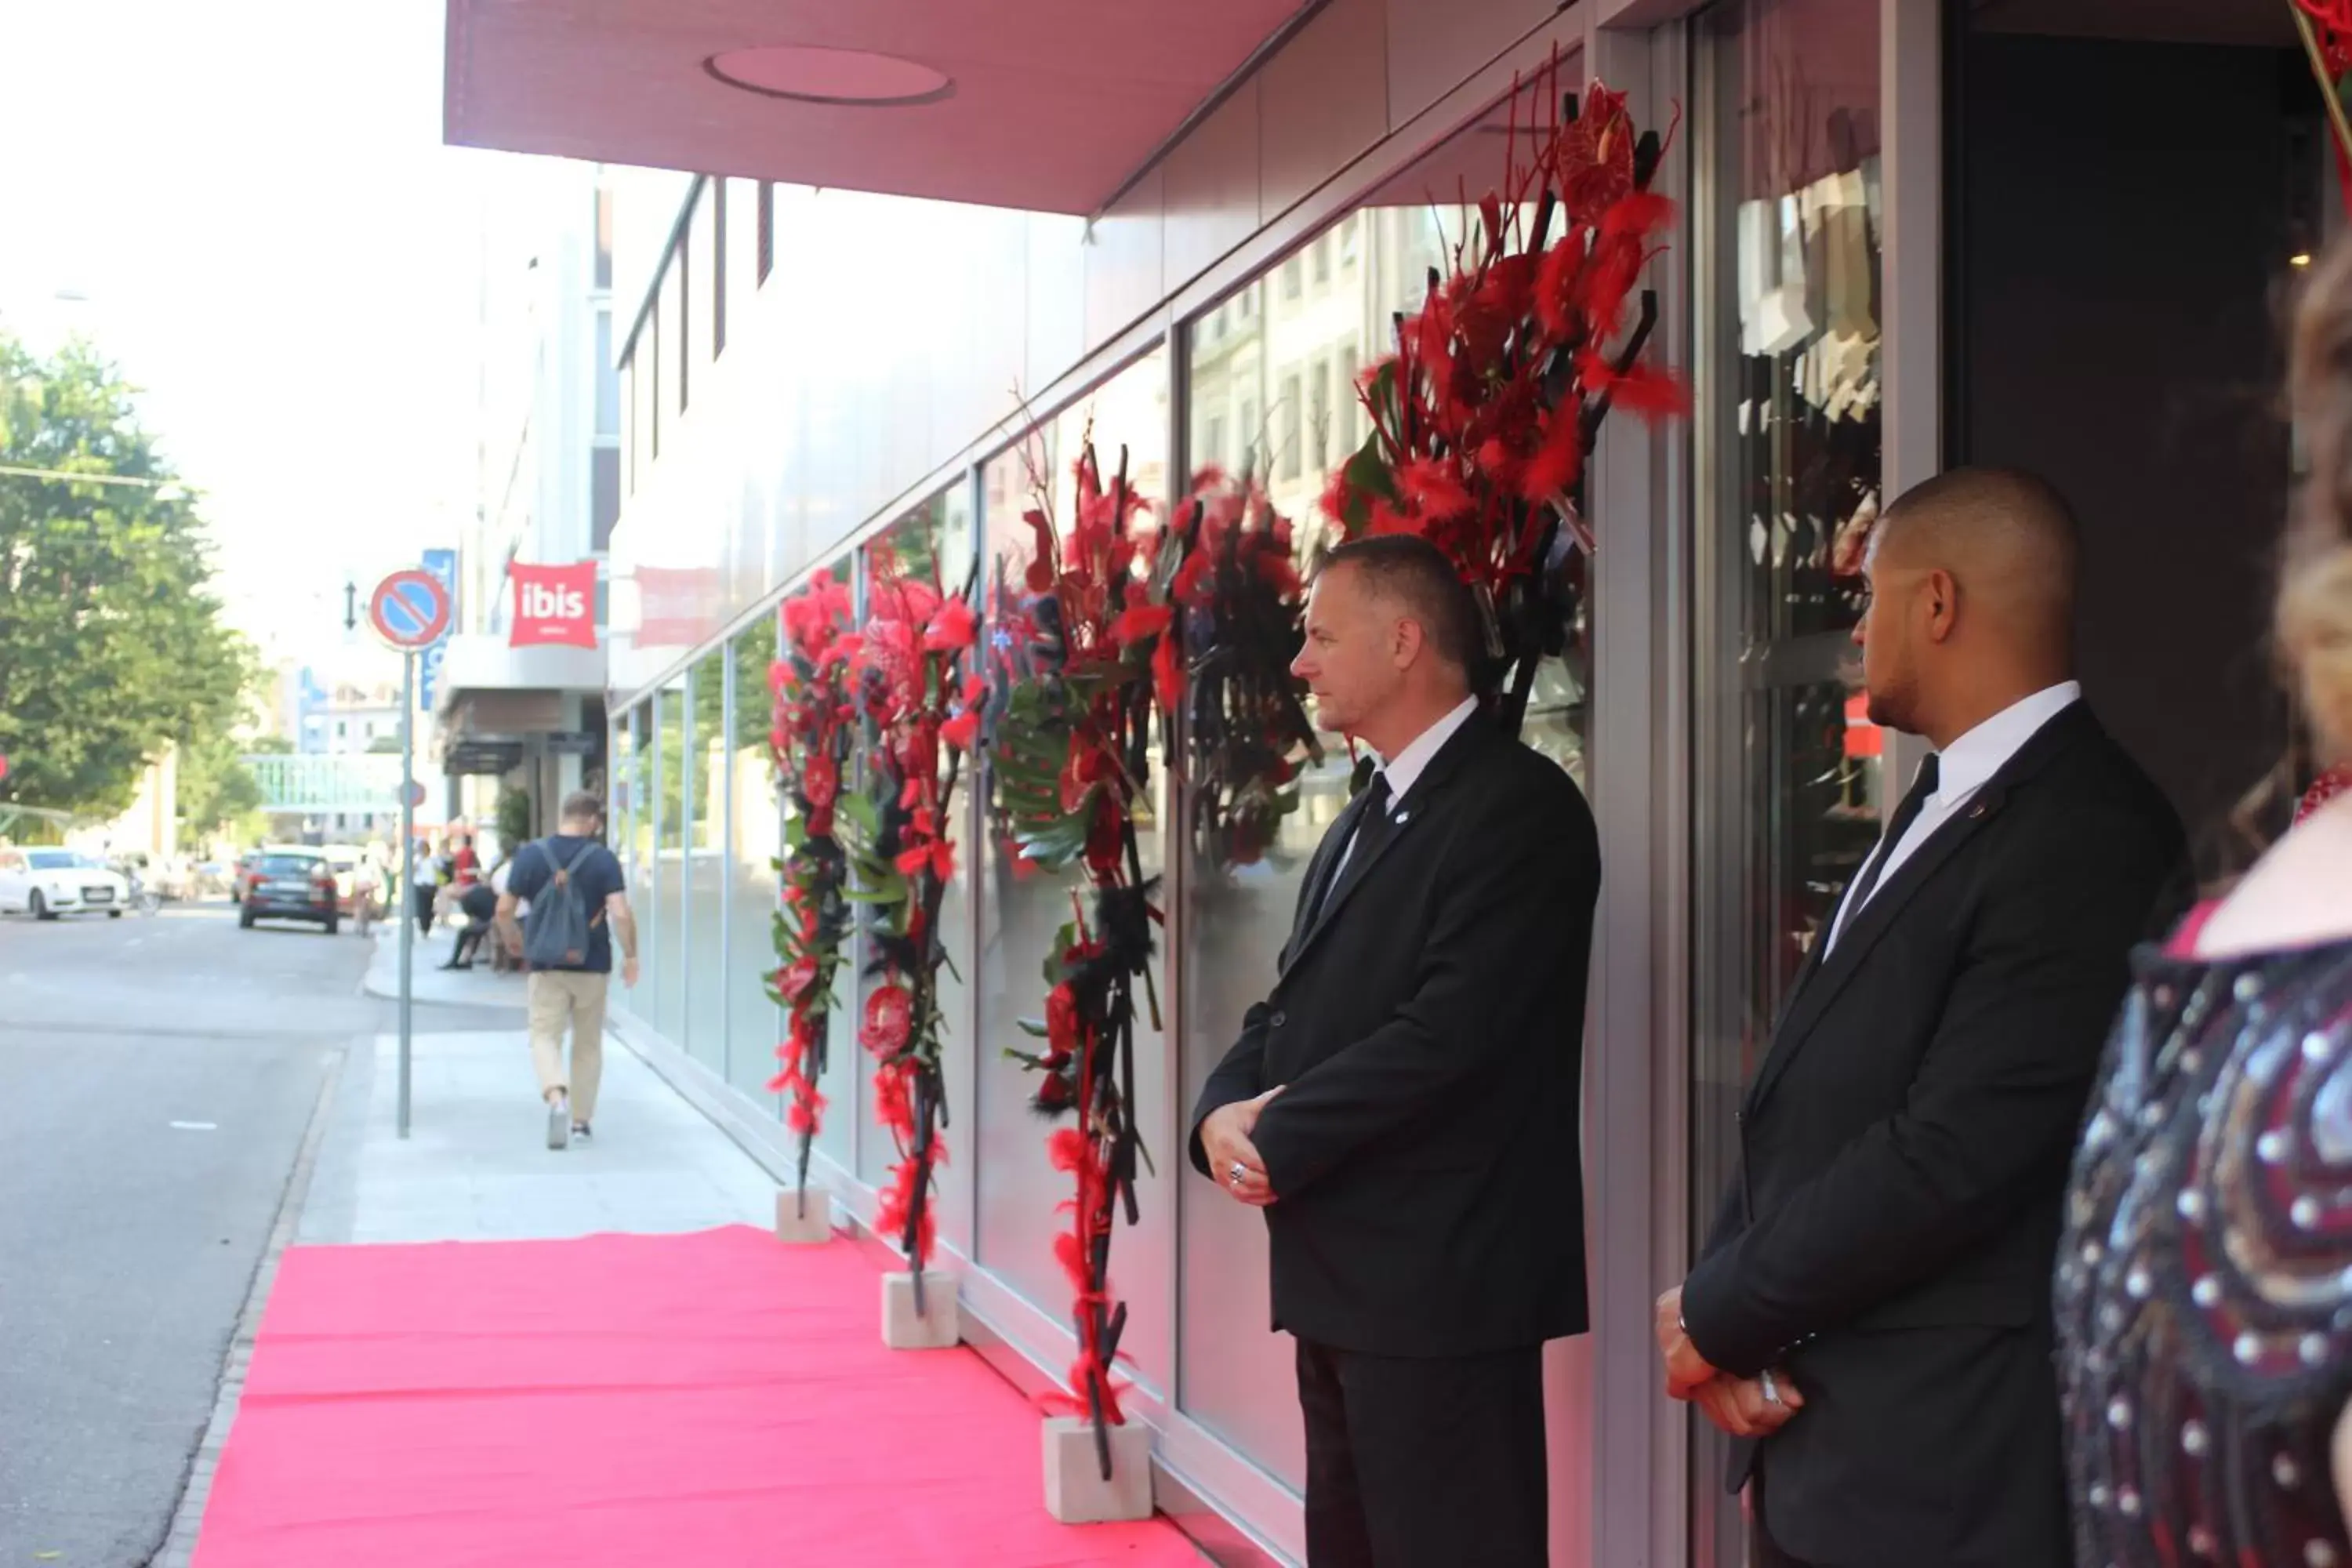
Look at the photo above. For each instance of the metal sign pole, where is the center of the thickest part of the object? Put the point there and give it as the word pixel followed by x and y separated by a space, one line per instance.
pixel 408 864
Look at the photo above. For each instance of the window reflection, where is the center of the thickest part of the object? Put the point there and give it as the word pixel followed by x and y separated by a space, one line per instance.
pixel 755 840
pixel 1022 908
pixel 932 542
pixel 704 863
pixel 1786 240
pixel 668 946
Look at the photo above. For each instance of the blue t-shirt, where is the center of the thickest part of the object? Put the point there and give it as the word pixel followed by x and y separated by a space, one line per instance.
pixel 595 879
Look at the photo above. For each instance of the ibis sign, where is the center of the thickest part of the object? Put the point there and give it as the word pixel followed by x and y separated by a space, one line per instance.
pixel 553 605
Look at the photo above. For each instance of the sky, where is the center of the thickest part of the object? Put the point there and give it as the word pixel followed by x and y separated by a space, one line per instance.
pixel 247 205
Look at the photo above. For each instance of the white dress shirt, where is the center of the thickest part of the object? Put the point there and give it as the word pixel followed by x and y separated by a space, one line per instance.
pixel 1963 768
pixel 1404 770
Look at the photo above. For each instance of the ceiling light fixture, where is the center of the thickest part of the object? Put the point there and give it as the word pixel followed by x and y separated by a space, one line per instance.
pixel 807 74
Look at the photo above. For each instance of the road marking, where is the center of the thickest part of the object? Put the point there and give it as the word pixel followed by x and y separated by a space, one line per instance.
pixel 197 1126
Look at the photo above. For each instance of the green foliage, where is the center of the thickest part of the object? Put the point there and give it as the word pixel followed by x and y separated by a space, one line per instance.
pixel 513 820
pixel 217 792
pixel 111 645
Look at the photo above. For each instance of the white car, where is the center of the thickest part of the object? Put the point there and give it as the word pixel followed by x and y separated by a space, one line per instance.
pixel 46 883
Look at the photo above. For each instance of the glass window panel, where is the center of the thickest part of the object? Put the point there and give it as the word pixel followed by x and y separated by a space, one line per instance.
pixel 667 947
pixel 1022 908
pixel 705 863
pixel 754 839
pixel 1297 354
pixel 847 1121
pixel 1785 241
pixel 936 536
pixel 637 762
pixel 608 381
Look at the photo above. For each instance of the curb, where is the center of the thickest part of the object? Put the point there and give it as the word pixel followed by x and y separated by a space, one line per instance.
pixel 179 1545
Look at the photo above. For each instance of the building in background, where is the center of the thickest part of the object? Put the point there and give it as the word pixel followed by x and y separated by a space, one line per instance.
pixel 531 719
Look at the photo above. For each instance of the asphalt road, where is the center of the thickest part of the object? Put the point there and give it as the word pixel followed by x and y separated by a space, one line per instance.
pixel 157 1078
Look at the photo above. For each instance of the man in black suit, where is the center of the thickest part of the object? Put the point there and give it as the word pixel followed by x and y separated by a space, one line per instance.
pixel 1871 1315
pixel 1403 1103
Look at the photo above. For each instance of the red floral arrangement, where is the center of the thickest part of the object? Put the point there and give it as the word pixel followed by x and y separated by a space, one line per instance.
pixel 1239 602
pixel 815 716
pixel 1484 414
pixel 922 715
pixel 2325 29
pixel 1098 662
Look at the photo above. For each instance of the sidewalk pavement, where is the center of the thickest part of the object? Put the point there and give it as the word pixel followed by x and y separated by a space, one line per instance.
pixel 428 982
pixel 476 1165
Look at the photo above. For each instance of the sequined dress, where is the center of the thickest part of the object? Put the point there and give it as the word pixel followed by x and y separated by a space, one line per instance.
pixel 2204 1284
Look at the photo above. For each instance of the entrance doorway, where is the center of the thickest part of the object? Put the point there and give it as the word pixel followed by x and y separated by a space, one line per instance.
pixel 2131 188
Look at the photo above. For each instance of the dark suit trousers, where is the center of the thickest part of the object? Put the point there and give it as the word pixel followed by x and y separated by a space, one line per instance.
pixel 1769 1554
pixel 1430 1462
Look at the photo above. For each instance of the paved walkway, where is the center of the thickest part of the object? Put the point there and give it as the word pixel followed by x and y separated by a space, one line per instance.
pixel 428 982
pixel 476 1165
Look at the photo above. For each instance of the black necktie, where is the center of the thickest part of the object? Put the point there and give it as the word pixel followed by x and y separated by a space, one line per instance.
pixel 1372 828
pixel 1905 813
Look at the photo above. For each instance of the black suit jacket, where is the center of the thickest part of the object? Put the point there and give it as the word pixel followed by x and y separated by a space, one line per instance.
pixel 1428 1031
pixel 1890 1236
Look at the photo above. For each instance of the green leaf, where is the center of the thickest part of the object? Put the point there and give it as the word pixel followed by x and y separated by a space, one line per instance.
pixel 1032 1027
pixel 860 811
pixel 1366 473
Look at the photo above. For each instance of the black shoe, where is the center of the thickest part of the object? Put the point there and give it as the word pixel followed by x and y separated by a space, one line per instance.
pixel 582 1133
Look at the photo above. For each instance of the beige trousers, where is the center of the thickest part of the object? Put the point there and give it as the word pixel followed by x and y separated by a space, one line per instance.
pixel 562 998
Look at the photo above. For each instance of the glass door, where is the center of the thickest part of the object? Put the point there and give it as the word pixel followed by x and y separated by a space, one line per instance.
pixel 1787 221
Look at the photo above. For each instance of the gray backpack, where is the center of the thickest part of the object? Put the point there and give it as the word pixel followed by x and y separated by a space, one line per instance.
pixel 556 936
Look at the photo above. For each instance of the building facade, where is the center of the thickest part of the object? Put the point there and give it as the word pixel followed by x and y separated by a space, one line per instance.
pixel 548 487
pixel 1893 254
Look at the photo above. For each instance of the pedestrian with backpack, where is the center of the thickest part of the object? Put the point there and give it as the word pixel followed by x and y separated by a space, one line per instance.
pixel 578 906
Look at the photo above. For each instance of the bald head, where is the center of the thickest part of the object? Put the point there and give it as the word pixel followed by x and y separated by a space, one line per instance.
pixel 1973 589
pixel 2006 536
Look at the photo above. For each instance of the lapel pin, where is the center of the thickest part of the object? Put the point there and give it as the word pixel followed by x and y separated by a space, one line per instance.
pixel 1401 817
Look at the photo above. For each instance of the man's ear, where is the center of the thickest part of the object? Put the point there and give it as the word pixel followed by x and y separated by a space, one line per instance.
pixel 1405 642
pixel 1943 604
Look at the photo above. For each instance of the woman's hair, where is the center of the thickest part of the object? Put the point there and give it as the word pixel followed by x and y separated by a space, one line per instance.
pixel 2315 600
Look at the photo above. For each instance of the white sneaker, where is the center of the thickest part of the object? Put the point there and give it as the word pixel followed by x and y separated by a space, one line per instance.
pixel 558 1122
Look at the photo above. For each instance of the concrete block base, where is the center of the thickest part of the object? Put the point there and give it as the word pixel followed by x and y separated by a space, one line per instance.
pixel 933 1328
pixel 1076 1492
pixel 804 1220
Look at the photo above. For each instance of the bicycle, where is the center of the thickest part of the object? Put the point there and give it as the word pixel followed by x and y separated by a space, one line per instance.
pixel 144 899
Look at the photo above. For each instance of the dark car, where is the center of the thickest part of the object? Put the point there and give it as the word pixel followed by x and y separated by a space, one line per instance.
pixel 289 885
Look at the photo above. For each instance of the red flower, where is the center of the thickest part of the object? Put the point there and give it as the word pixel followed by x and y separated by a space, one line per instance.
pixel 1061 1018
pixel 937 857
pixel 1434 488
pixel 962 731
pixel 893 1106
pixel 1066 1149
pixel 1556 287
pixel 889 1017
pixel 953 629
pixel 796 977
pixel 1139 622
pixel 821 779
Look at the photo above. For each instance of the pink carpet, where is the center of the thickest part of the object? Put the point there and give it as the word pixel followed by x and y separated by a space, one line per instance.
pixel 708 1400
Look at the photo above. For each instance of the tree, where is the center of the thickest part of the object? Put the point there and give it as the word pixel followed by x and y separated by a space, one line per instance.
pixel 218 794
pixel 112 644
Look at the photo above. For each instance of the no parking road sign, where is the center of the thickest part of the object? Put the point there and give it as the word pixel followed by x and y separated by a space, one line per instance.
pixel 410 609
